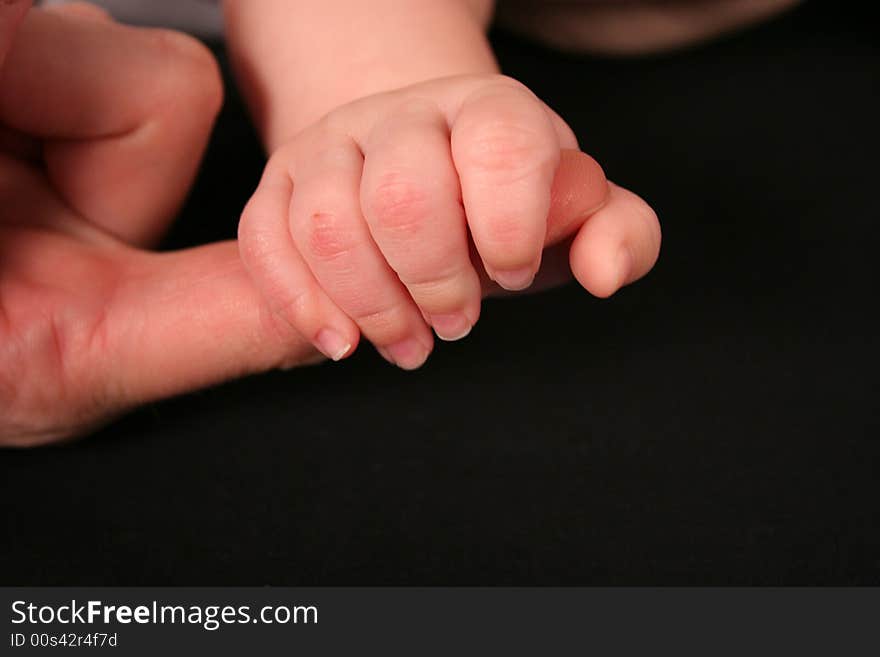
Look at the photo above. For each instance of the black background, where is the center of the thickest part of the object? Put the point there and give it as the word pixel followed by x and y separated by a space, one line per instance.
pixel 717 423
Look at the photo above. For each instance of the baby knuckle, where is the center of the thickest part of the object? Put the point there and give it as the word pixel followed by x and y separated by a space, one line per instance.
pixel 435 261
pixel 324 130
pixel 508 148
pixel 327 238
pixel 281 161
pixel 655 234
pixel 506 82
pixel 416 105
pixel 372 309
pixel 297 307
pixel 399 205
pixel 444 288
pixel 283 335
pixel 508 233
pixel 251 235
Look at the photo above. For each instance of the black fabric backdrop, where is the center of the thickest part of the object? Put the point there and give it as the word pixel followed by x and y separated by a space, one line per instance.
pixel 715 424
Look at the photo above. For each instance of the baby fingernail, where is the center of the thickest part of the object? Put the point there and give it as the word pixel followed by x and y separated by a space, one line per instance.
pixel 407 354
pixel 332 344
pixel 450 327
pixel 515 279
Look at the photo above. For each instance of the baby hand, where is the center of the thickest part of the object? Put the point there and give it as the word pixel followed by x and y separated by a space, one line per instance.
pixel 380 218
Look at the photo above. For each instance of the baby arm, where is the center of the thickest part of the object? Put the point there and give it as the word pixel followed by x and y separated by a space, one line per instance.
pixel 299 59
pixel 404 167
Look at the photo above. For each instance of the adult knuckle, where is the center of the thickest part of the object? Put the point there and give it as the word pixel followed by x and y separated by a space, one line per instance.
pixel 181 47
pixel 191 75
pixel 77 7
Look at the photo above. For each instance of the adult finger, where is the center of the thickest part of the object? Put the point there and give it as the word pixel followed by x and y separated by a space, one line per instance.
pixel 617 245
pixel 107 102
pixel 11 14
pixel 579 190
pixel 188 319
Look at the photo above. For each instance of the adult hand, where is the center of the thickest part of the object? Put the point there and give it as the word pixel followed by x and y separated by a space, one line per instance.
pixel 91 324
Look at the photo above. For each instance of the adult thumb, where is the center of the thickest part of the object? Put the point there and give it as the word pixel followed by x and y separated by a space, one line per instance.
pixel 579 190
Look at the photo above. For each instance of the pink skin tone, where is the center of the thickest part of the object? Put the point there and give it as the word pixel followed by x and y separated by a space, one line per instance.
pixel 405 169
pixel 395 182
pixel 90 323
pixel 378 213
pixel 362 223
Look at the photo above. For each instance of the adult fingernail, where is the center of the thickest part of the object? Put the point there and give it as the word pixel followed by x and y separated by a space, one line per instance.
pixel 331 343
pixel 408 354
pixel 515 279
pixel 450 327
